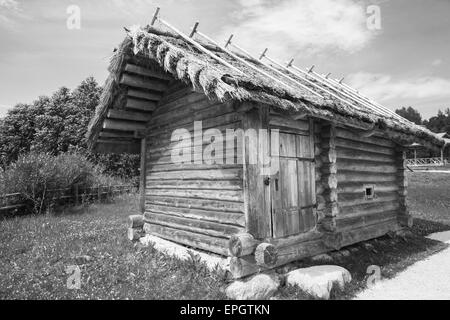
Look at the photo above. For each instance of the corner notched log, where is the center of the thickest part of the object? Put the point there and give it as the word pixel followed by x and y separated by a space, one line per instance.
pixel 134 234
pixel 242 244
pixel 405 220
pixel 266 255
pixel 136 221
pixel 333 240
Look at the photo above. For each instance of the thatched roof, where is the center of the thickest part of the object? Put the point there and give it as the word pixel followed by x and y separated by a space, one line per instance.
pixel 184 62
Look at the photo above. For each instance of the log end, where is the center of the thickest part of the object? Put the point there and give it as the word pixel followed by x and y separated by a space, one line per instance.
pixel 134 234
pixel 135 221
pixel 266 255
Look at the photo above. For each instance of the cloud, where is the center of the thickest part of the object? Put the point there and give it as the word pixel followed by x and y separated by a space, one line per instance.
pixel 306 27
pixel 10 11
pixel 383 87
pixel 436 62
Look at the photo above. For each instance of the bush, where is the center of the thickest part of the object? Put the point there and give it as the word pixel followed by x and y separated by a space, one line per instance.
pixel 35 175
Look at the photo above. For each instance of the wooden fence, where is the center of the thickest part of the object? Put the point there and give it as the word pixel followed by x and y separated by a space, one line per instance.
pixel 426 162
pixel 75 195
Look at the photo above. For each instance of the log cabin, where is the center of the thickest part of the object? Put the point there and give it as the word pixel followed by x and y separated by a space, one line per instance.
pixel 329 167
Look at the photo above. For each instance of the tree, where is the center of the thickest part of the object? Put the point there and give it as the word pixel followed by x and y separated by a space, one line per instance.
pixel 58 124
pixel 411 114
pixel 50 124
pixel 439 123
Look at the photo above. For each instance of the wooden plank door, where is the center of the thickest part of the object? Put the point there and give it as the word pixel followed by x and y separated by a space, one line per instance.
pixel 293 186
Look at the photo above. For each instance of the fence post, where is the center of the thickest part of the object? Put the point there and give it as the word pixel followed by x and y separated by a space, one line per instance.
pixel 76 194
pixel 99 193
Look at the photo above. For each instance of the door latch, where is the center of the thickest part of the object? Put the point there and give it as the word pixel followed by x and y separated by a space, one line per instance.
pixel 267 181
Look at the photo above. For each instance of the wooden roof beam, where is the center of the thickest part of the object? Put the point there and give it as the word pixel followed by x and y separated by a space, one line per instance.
pixel 122 125
pixel 141 105
pixel 139 82
pixel 132 68
pixel 144 95
pixel 128 115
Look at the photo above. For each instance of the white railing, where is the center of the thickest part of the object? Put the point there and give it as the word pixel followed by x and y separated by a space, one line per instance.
pixel 424 162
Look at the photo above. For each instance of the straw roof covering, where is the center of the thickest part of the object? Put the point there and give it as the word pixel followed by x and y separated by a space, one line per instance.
pixel 156 46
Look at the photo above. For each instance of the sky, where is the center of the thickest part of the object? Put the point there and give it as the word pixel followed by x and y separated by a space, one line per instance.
pixel 396 52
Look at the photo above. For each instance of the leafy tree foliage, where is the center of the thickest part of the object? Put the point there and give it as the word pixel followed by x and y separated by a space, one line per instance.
pixel 58 124
pixel 439 123
pixel 411 114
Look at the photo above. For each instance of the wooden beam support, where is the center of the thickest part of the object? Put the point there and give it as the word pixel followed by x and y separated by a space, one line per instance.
pixel 141 105
pixel 132 68
pixel 123 125
pixel 144 95
pixel 128 115
pixel 116 135
pixel 112 146
pixel 139 82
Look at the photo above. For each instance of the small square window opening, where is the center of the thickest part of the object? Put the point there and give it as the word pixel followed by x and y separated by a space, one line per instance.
pixel 369 192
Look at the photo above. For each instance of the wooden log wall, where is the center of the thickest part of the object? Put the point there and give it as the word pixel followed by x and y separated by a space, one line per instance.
pixel 196 204
pixel 364 162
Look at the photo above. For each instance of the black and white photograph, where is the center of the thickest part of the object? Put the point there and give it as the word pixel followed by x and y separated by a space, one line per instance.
pixel 232 156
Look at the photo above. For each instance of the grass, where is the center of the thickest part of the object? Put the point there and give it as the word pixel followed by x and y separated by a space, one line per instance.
pixel 37 250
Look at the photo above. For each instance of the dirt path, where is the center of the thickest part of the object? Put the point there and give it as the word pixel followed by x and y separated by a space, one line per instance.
pixel 424 280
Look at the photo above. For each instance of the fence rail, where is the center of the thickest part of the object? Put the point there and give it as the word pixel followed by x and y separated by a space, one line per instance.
pixel 76 195
pixel 425 162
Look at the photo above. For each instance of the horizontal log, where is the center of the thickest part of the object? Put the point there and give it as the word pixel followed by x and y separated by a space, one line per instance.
pixel 189 166
pixel 128 115
pixel 132 68
pixel 353 136
pixel 236 196
pixel 136 221
pixel 177 184
pixel 113 124
pixel 370 232
pixel 116 135
pixel 145 95
pixel 222 174
pixel 166 137
pixel 195 240
pixel 356 198
pixel 241 267
pixel 347 153
pixel 364 220
pixel 191 112
pixel 207 123
pixel 369 208
pixel 244 266
pixel 143 83
pixel 286 122
pixel 365 166
pixel 194 225
pixel 117 147
pixel 180 100
pixel 141 105
pixel 358 187
pixel 231 218
pixel 363 147
pixel 356 176
pixel 217 205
